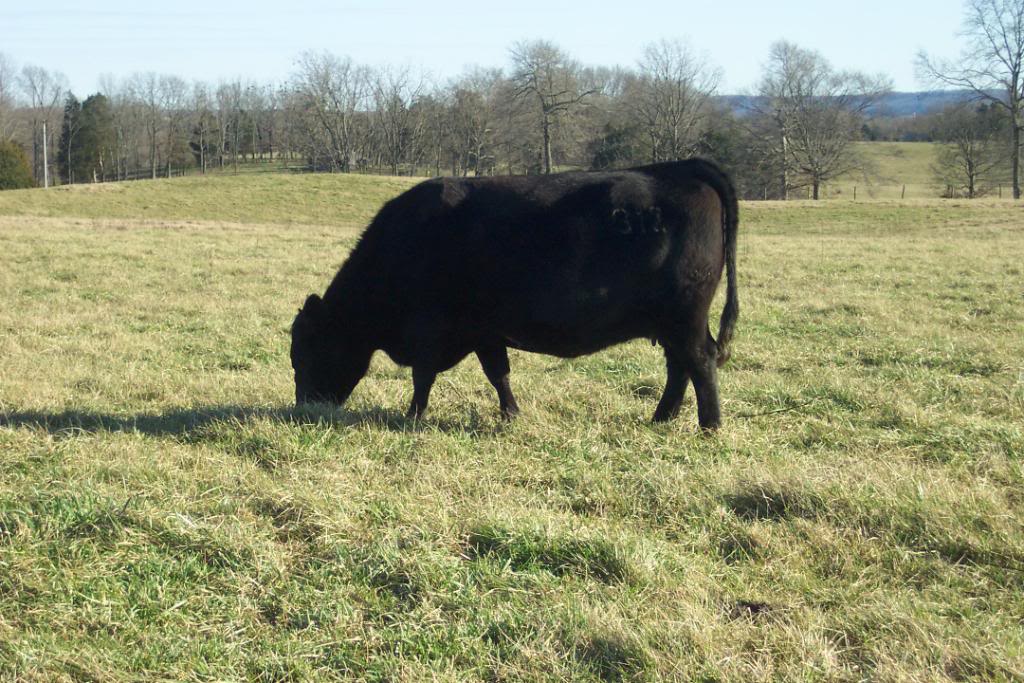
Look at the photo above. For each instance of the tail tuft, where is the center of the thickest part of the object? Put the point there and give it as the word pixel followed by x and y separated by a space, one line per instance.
pixel 725 330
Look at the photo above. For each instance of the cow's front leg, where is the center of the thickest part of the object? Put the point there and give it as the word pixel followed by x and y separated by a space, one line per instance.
pixel 422 381
pixel 494 360
pixel 675 387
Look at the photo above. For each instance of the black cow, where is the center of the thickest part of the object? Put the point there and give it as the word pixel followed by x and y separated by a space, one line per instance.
pixel 564 264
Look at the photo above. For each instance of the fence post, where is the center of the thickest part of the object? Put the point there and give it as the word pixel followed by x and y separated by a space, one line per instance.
pixel 903 193
pixel 854 193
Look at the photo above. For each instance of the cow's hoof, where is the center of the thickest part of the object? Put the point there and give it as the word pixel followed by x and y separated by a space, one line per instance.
pixel 509 413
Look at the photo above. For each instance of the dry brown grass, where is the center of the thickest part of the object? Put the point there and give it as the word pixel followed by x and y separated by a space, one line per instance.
pixel 165 513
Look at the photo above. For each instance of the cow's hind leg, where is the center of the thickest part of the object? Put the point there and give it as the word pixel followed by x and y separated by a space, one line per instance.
pixel 702 362
pixel 422 381
pixel 675 387
pixel 494 360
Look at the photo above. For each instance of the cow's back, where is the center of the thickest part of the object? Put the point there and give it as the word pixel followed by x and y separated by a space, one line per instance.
pixel 562 264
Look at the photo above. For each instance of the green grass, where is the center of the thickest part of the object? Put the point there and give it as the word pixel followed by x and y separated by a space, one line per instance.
pixel 319 199
pixel 889 166
pixel 902 162
pixel 896 170
pixel 166 514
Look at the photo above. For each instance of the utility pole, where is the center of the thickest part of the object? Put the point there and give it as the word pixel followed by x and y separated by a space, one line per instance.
pixel 46 166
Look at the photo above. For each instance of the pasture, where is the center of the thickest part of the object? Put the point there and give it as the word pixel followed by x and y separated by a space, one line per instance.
pixel 896 170
pixel 889 166
pixel 166 514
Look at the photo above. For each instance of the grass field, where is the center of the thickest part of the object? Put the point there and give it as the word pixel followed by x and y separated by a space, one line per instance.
pixel 166 514
pixel 889 167
pixel 896 170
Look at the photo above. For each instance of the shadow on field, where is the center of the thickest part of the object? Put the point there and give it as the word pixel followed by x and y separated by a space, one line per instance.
pixel 184 421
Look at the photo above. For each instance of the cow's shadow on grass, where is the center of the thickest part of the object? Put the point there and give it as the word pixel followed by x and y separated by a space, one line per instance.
pixel 183 422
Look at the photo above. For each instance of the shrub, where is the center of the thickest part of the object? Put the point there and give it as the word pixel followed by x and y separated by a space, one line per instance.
pixel 15 173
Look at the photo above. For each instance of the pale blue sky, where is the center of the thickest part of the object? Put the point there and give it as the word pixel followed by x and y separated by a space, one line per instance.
pixel 260 40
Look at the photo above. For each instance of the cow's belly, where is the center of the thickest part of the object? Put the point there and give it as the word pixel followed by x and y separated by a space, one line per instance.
pixel 572 332
pixel 565 347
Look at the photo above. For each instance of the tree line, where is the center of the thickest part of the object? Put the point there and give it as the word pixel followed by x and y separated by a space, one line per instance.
pixel 543 112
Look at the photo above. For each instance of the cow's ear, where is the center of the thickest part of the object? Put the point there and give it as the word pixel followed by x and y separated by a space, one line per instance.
pixel 313 306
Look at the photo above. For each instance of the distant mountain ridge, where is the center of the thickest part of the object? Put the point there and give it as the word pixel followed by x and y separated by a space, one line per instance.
pixel 893 104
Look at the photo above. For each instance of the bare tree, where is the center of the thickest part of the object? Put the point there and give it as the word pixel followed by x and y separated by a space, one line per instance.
pixel 517 138
pixel 991 65
pixel 329 91
pixel 145 91
pixel 974 154
pixel 127 122
pixel 617 137
pixel 229 119
pixel 261 106
pixel 397 123
pixel 7 97
pixel 545 74
pixel 202 124
pixel 671 98
pixel 472 121
pixel 173 100
pixel 44 91
pixel 816 114
pixel 434 109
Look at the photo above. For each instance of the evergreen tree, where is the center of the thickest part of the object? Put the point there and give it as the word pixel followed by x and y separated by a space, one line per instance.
pixel 97 140
pixel 67 150
pixel 87 140
pixel 615 147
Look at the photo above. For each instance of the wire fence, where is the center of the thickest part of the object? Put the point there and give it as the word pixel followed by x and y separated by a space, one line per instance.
pixel 861 191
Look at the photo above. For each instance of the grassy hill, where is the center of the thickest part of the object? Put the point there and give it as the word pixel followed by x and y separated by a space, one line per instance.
pixel 889 167
pixel 255 195
pixel 896 170
pixel 165 513
pixel 280 198
pixel 901 162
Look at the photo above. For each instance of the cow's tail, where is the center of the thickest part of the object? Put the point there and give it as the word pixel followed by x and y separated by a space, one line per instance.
pixel 731 312
pixel 712 174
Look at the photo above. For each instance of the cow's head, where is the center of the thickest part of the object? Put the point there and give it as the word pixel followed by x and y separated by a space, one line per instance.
pixel 326 367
